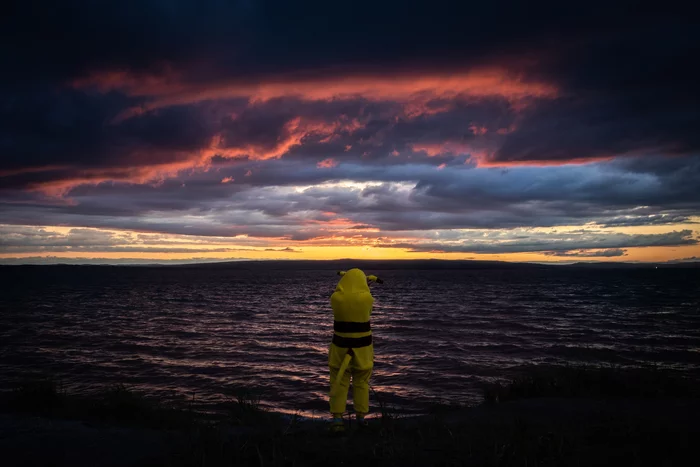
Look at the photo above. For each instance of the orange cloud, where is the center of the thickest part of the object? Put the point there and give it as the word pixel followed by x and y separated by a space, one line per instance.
pixel 421 107
pixel 294 133
pixel 438 149
pixel 155 173
pixel 486 162
pixel 415 88
pixel 228 180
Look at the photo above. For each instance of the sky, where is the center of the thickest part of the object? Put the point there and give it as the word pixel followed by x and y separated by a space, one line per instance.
pixel 142 131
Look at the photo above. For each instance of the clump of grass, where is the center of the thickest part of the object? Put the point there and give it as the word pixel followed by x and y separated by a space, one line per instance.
pixel 388 414
pixel 245 408
pixel 123 401
pixel 441 406
pixel 120 403
pixel 116 403
pixel 42 394
pixel 592 382
pixel 248 399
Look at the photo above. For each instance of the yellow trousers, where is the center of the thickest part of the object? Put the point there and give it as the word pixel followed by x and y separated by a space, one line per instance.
pixel 360 390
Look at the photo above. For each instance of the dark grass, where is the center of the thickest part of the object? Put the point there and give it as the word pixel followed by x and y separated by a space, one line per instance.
pixel 116 404
pixel 498 433
pixel 594 382
pixel 511 440
pixel 126 406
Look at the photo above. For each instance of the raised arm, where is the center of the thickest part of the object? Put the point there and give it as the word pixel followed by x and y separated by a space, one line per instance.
pixel 370 278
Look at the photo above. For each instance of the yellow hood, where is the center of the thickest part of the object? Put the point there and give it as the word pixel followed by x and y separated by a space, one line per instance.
pixel 352 299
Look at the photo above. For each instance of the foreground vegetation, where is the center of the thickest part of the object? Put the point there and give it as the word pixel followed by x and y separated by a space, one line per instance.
pixel 567 416
pixel 594 382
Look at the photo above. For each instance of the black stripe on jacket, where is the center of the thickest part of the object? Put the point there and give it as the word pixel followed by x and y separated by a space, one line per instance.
pixel 349 326
pixel 352 342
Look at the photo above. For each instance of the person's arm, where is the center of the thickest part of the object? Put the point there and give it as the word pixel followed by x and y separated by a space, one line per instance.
pixel 373 278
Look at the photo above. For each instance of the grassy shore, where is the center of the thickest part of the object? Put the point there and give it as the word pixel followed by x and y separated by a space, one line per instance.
pixel 566 416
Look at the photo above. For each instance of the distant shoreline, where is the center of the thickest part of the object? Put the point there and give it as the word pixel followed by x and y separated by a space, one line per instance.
pixel 378 264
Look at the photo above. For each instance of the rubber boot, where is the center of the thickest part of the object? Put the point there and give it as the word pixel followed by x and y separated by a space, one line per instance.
pixel 361 421
pixel 337 426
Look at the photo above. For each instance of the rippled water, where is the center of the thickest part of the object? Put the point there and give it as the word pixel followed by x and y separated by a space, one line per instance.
pixel 438 333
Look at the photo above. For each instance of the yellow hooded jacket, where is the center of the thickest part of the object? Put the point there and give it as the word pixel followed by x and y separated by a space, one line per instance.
pixel 352 307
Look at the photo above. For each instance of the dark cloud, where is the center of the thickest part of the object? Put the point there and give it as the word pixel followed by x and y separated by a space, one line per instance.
pixel 254 38
pixel 622 93
pixel 60 41
pixel 686 260
pixel 23 236
pixel 28 239
pixel 49 259
pixel 47 127
pixel 651 219
pixel 51 137
pixel 117 249
pixel 553 243
pixel 399 197
pixel 609 253
pixel 590 127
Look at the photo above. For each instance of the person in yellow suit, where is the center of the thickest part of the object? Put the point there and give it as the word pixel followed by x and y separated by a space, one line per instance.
pixel 351 353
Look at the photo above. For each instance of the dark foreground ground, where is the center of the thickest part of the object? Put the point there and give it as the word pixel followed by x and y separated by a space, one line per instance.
pixel 567 417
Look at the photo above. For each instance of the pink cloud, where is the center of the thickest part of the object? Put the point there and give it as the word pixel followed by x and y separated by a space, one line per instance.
pixel 327 163
pixel 478 130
